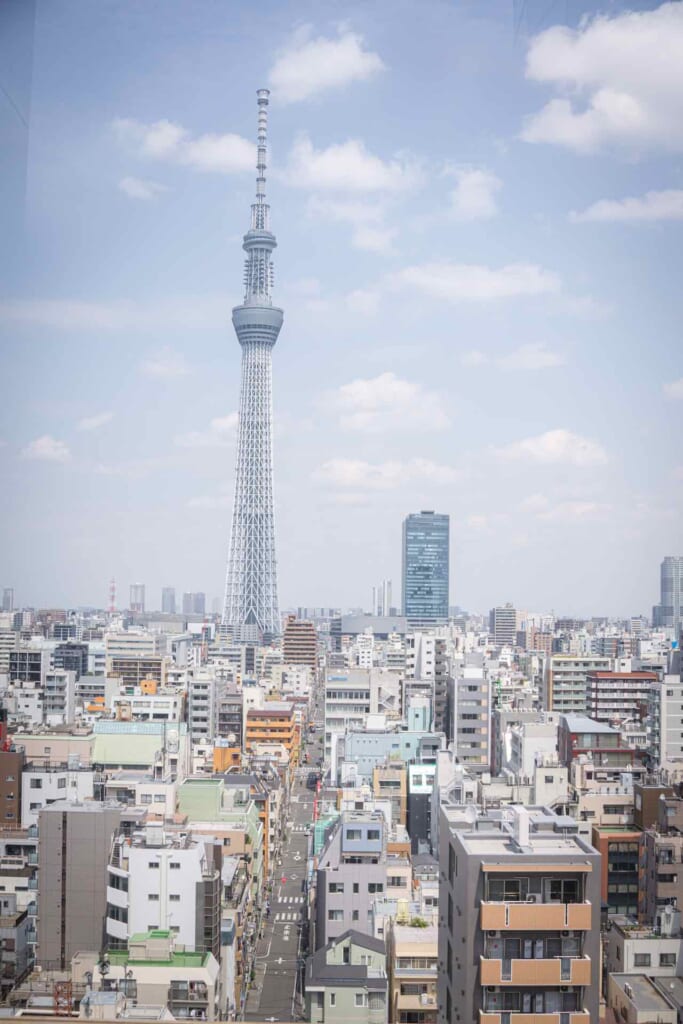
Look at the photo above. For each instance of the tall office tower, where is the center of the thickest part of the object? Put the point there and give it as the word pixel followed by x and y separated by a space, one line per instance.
pixel 250 606
pixel 194 604
pixel 668 614
pixel 74 846
pixel 137 598
pixel 168 600
pixel 300 643
pixel 503 625
pixel 8 599
pixel 520 903
pixel 425 567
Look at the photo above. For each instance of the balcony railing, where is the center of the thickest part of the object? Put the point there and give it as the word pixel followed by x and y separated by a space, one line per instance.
pixel 512 1017
pixel 536 916
pixel 561 970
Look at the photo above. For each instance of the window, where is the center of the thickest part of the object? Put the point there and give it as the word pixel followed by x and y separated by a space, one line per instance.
pixel 375 887
pixel 356 887
pixel 159 798
pixel 61 783
pixel 335 915
pixel 154 897
pixel 641 960
pixel 353 834
pixel 10 778
pixel 36 784
pixel 549 780
pixel 153 864
pixel 146 798
pixel 174 897
pixel 333 998
pixel 396 881
pixel 175 864
pixel 373 834
pixel 667 959
pixel 336 887
pixel 360 999
pixel 354 915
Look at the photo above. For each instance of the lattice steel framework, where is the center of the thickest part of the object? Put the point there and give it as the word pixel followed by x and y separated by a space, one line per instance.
pixel 250 606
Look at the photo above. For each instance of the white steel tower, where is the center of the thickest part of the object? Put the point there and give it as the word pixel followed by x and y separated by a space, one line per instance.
pixel 250 606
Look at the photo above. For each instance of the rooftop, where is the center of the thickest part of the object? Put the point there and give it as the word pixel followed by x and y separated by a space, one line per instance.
pixel 644 994
pixel 582 723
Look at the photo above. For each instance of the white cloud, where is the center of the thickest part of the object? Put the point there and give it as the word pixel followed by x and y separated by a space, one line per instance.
pixel 165 364
pixel 674 388
pixel 474 196
pixel 363 300
pixel 624 76
pixel 531 357
pixel 387 403
pixel 219 433
pixel 474 358
pixel 556 447
pixel 310 66
pixel 462 282
pixel 573 511
pixel 348 167
pixel 653 206
pixel 191 312
pixel 366 219
pixel 357 474
pixel 47 449
pixel 94 422
pixel 137 188
pixel 168 141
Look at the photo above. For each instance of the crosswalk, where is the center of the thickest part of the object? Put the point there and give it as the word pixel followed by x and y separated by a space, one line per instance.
pixel 301 828
pixel 291 899
pixel 288 916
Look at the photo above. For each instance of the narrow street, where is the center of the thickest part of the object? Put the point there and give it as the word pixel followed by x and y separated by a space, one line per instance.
pixel 276 993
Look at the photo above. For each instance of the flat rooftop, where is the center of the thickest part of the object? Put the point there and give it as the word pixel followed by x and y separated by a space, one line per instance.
pixel 645 996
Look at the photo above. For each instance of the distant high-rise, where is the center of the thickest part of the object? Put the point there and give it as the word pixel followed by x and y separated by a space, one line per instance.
pixel 503 625
pixel 668 614
pixel 168 600
pixel 8 599
pixel 194 604
pixel 250 606
pixel 425 567
pixel 300 643
pixel 137 598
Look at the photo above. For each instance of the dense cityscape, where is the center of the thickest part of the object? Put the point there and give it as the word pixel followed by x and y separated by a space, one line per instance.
pixel 397 810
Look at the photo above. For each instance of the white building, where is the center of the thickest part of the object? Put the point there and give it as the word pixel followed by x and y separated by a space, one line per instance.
pixel 163 880
pixel 43 785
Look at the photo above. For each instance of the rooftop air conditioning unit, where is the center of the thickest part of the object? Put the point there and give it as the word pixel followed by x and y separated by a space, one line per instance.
pixel 532 897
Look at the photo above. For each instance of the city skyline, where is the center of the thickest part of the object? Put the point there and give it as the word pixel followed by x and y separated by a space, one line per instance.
pixel 458 337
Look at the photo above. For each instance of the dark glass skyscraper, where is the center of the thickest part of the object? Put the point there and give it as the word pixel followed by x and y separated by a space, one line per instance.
pixel 425 567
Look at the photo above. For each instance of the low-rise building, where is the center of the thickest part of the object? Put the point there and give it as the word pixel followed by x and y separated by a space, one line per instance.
pixel 346 981
pixel 413 971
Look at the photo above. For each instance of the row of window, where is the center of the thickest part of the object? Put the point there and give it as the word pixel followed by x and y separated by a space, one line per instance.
pixel 338 887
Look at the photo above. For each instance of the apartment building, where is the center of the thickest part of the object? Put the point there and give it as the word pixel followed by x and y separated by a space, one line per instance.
pixel 346 981
pixel 413 970
pixel 73 853
pixel 520 904
pixel 168 880
pixel 275 722
pixel 665 715
pixel 618 696
pixel 300 643
pixel 566 681
pixel 471 711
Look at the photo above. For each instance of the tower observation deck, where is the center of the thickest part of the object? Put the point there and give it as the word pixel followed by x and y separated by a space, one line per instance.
pixel 250 605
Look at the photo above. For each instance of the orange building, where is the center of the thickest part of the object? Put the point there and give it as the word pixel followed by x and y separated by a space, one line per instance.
pixel 274 723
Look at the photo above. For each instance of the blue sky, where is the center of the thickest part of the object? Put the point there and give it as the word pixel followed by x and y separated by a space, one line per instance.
pixel 479 209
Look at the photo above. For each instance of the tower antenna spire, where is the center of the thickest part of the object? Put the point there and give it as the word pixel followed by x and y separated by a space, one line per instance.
pixel 250 606
pixel 260 209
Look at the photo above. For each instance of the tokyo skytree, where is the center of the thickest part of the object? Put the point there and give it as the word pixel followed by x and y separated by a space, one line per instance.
pixel 250 606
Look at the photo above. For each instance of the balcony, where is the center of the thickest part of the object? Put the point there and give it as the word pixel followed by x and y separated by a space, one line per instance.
pixel 561 970
pixel 536 917
pixel 424 1002
pixel 507 1017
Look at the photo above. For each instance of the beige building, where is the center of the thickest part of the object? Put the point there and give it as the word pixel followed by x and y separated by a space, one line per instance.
pixel 413 970
pixel 520 904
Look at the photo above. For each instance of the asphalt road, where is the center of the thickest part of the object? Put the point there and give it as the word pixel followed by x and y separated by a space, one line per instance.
pixel 275 993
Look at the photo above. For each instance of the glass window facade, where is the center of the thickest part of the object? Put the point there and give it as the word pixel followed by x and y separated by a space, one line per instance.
pixel 425 567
